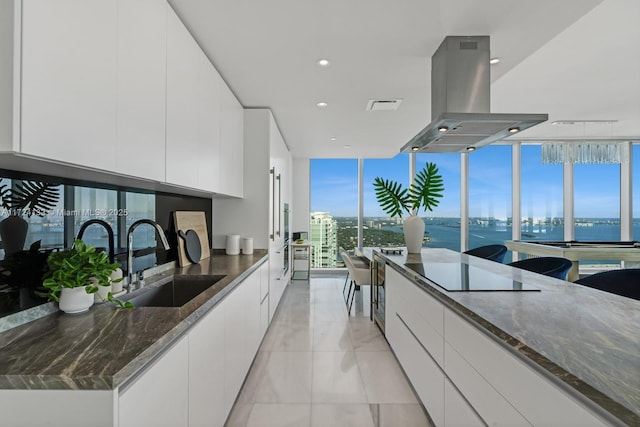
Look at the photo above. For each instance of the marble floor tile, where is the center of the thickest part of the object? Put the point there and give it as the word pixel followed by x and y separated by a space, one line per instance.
pixel 405 415
pixel 319 366
pixel 279 415
pixel 383 379
pixel 286 378
pixel 331 336
pixel 289 336
pixel 336 378
pixel 365 336
pixel 344 415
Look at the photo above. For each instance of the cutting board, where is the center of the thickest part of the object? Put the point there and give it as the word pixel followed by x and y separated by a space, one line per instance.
pixel 196 221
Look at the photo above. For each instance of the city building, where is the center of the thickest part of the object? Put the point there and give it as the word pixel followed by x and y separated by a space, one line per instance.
pixel 324 241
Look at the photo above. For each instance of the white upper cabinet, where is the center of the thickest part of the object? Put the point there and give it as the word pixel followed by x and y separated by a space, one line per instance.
pixel 183 69
pixel 69 59
pixel 209 126
pixel 231 144
pixel 142 65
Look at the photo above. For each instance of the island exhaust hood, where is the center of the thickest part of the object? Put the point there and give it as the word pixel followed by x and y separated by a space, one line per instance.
pixel 460 101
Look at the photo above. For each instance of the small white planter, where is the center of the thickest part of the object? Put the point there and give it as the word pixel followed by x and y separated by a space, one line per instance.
pixel 413 228
pixel 75 300
pixel 102 294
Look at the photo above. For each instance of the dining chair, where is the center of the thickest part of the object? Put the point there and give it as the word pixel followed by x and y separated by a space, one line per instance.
pixel 491 252
pixel 625 282
pixel 549 266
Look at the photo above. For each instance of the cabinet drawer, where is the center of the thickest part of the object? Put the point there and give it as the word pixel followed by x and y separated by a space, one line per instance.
pixel 494 409
pixel 457 412
pixel 535 397
pixel 422 314
pixel 425 375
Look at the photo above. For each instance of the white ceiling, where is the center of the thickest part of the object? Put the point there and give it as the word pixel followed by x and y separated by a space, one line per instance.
pixel 572 59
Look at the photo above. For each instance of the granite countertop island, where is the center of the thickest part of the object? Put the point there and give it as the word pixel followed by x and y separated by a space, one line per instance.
pixel 585 340
pixel 105 348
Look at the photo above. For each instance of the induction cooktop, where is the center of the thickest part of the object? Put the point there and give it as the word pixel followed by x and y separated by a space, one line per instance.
pixel 462 277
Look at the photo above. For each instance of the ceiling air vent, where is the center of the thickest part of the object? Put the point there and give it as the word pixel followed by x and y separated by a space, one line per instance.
pixel 383 104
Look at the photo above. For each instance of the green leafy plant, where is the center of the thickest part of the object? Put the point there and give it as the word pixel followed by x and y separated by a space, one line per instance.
pixel 82 265
pixel 424 193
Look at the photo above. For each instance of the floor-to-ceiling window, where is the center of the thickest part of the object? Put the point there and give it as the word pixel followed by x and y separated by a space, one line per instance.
pixel 378 228
pixel 541 196
pixel 443 223
pixel 490 196
pixel 333 219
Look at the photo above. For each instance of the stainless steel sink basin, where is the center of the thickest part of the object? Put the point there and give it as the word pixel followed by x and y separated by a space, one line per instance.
pixel 176 293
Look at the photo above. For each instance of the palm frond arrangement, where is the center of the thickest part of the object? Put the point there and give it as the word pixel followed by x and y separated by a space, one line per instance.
pixel 424 193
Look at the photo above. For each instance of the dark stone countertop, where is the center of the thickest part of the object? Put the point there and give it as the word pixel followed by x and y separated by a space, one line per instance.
pixel 106 347
pixel 585 340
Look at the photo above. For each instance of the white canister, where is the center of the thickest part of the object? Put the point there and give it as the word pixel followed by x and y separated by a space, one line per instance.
pixel 233 244
pixel 247 245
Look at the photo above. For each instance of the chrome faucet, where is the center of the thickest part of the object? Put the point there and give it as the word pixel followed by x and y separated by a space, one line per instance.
pixel 107 227
pixel 163 239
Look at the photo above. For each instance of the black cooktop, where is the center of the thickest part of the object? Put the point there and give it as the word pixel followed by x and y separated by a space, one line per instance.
pixel 462 277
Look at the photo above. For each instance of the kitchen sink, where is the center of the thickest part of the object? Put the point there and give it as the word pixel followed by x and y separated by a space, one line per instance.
pixel 176 293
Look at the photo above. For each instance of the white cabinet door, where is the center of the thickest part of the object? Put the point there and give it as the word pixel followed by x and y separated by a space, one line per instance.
pixel 231 143
pixel 457 411
pixel 142 75
pixel 69 81
pixel 422 370
pixel 209 126
pixel 183 70
pixel 252 315
pixel 160 397
pixel 207 370
pixel 234 339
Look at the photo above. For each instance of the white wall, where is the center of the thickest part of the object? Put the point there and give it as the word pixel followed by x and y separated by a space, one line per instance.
pixel 301 200
pixel 6 74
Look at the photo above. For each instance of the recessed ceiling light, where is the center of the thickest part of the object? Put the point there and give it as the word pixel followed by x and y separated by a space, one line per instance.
pixel 443 128
pixel 494 61
pixel 514 129
pixel 333 138
pixel 346 146
pixel 322 104
pixel 323 62
pixel 415 148
pixel 470 149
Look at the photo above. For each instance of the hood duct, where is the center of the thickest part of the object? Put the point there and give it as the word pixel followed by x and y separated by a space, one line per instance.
pixel 460 101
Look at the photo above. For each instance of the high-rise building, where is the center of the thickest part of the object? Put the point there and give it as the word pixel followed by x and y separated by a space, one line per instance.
pixel 323 239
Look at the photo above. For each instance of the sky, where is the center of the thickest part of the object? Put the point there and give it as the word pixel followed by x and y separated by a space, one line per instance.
pixel 334 184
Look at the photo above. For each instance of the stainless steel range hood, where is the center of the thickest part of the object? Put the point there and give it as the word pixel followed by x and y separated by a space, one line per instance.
pixel 460 101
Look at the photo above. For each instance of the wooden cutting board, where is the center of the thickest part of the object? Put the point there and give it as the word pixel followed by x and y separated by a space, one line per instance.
pixel 196 221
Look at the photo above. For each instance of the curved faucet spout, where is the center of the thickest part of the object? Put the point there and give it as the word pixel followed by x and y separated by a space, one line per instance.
pixel 107 227
pixel 133 226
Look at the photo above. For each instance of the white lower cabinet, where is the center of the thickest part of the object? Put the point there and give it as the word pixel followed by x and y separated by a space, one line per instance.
pixel 160 396
pixel 463 377
pixel 206 371
pixel 457 411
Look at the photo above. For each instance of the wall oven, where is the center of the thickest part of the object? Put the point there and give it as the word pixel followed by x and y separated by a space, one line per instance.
pixel 377 290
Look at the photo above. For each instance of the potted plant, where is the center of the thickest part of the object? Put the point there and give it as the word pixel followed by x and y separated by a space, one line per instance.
pixel 75 275
pixel 423 193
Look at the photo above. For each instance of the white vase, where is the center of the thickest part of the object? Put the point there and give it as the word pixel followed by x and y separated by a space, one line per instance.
pixel 413 227
pixel 75 300
pixel 102 294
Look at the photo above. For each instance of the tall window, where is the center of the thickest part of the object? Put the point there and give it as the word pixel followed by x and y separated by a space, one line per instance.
pixel 597 202
pixel 95 203
pixel 379 229
pixel 490 196
pixel 443 223
pixel 541 197
pixel 334 209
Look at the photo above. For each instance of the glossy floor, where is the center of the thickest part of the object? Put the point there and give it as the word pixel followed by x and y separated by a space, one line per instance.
pixel 318 366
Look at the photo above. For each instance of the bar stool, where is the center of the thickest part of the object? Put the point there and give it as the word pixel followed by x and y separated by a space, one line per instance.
pixel 491 252
pixel 360 276
pixel 547 265
pixel 625 282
